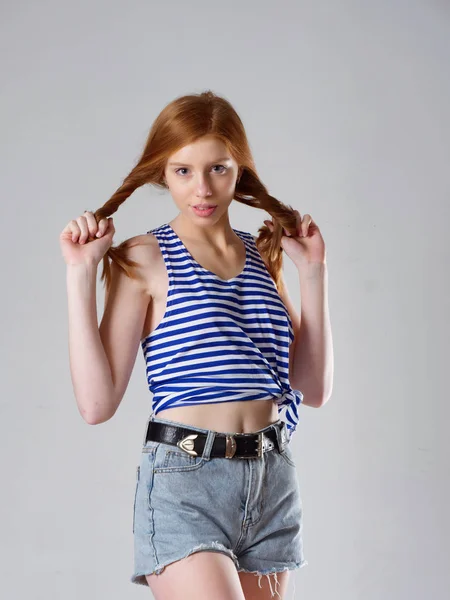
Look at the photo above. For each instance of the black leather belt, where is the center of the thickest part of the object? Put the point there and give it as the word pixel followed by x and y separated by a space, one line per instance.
pixel 237 445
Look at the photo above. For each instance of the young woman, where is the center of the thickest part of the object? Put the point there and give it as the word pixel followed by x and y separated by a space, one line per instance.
pixel 217 499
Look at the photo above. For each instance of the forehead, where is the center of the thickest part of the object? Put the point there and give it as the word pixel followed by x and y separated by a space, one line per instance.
pixel 205 148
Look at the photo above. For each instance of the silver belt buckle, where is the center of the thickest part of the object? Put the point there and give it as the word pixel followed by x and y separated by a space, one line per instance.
pixel 260 445
pixel 187 444
pixel 230 446
pixel 230 449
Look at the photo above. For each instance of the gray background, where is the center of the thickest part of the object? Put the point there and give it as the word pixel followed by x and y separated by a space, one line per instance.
pixel 346 105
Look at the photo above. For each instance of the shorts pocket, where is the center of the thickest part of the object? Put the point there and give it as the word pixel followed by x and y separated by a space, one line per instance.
pixel 288 456
pixel 171 459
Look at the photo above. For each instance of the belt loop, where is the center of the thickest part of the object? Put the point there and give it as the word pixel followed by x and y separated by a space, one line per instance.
pixel 282 436
pixel 211 435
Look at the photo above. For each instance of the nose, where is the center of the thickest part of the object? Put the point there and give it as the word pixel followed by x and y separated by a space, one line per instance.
pixel 203 187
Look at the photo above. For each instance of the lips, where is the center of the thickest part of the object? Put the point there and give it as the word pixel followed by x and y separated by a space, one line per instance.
pixel 204 205
pixel 204 212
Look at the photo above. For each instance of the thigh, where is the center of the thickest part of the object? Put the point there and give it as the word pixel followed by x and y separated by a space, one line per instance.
pixel 264 587
pixel 200 576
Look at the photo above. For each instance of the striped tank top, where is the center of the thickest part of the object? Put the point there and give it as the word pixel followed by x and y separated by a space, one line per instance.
pixel 219 340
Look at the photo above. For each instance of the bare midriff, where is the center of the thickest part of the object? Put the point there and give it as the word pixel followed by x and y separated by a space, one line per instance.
pixel 226 417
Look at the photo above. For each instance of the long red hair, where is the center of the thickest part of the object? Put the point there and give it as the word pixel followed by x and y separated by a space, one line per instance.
pixel 182 122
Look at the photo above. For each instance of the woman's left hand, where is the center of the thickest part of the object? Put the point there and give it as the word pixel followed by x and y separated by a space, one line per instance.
pixel 307 246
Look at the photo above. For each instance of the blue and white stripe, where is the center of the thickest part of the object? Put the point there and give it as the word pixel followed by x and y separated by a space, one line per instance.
pixel 219 340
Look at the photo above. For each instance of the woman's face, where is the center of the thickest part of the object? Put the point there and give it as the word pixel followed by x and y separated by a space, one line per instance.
pixel 204 173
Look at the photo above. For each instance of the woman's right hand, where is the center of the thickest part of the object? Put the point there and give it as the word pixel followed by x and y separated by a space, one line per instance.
pixel 84 241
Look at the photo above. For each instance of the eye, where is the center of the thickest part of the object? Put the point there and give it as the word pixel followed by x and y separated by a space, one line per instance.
pixel 186 169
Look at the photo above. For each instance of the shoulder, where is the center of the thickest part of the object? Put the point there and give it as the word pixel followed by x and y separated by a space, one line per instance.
pixel 143 250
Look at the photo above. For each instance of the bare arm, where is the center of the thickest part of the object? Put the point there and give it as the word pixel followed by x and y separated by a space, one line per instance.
pixel 89 366
pixel 102 358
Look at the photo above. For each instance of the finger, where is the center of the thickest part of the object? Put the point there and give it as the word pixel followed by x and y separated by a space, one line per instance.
pixel 109 228
pixel 82 223
pixel 91 223
pixel 304 225
pixel 72 228
pixel 102 227
pixel 298 225
pixel 303 228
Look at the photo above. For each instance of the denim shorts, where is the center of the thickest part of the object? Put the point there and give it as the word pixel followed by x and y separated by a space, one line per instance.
pixel 247 508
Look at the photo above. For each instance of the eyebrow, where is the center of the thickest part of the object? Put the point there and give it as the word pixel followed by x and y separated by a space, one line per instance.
pixel 186 165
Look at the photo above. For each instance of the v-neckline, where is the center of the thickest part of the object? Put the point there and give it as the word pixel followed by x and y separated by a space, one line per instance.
pixel 247 258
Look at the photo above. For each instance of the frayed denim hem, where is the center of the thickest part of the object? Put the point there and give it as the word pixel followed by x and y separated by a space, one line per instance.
pixel 140 579
pixel 274 571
